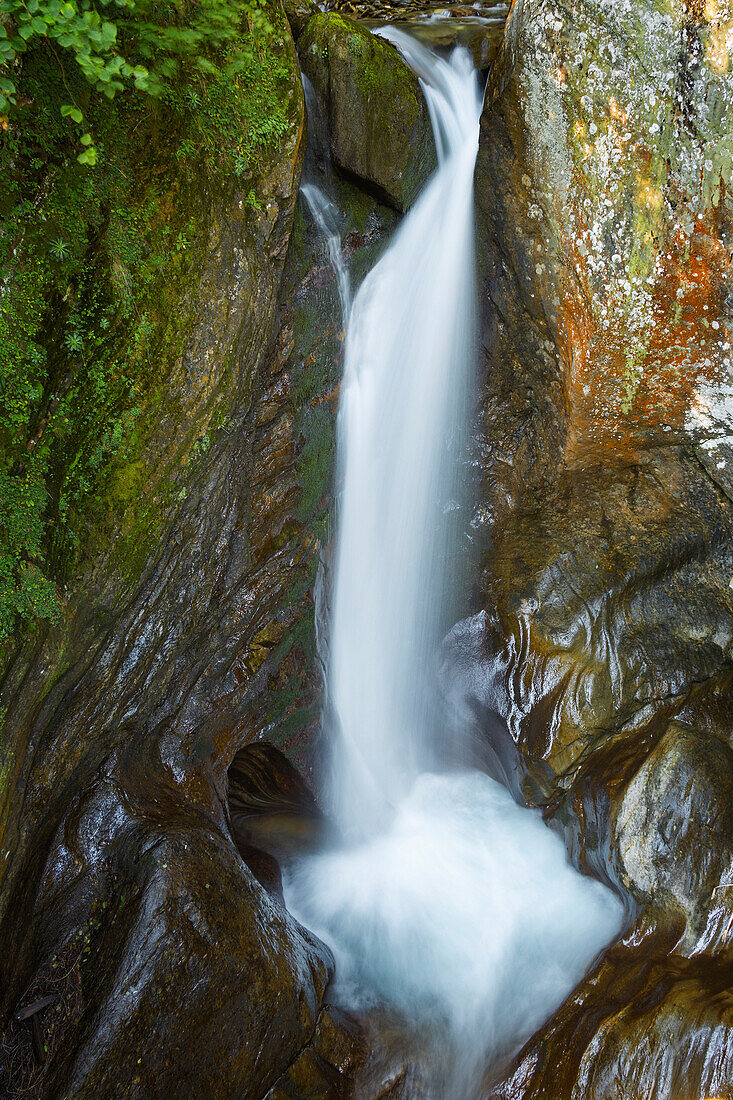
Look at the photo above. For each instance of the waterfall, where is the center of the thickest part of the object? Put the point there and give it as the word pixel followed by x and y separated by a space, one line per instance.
pixel 446 902
pixel 409 358
pixel 315 188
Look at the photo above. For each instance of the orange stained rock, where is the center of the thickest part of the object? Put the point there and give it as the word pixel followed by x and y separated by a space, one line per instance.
pixel 624 393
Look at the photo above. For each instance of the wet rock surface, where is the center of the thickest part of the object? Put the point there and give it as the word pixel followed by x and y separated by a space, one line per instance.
pixel 378 120
pixel 270 807
pixel 605 642
pixel 123 890
pixel 481 37
pixel 597 670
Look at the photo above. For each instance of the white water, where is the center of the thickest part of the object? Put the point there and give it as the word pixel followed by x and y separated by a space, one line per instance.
pixel 408 363
pixel 325 216
pixel 449 903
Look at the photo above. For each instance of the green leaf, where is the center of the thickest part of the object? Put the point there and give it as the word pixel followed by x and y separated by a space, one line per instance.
pixel 71 112
pixel 86 139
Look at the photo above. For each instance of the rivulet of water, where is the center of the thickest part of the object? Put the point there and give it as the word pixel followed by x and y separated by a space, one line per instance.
pixel 326 218
pixel 446 902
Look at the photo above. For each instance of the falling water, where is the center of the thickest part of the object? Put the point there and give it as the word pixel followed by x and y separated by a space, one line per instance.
pixel 408 363
pixel 315 188
pixel 448 902
pixel 326 218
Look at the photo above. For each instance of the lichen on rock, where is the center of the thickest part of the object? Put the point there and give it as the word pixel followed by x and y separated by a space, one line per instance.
pixel 607 642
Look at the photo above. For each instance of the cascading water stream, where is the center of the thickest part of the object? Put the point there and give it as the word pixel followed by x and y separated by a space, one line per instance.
pixel 325 216
pixel 314 190
pixel 447 902
pixel 403 408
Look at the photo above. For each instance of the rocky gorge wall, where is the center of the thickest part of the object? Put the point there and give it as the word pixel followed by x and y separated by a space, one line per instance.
pixel 188 634
pixel 598 663
pixel 606 639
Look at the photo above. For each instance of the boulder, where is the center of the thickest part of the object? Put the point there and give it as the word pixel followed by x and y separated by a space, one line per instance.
pixel 378 120
pixel 298 13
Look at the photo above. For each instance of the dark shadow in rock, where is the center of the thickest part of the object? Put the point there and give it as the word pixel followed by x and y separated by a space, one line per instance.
pixel 274 815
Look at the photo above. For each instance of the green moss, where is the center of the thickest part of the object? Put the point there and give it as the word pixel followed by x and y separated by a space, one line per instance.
pixel 97 301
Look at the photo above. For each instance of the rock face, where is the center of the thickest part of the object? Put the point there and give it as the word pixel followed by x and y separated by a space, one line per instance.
pixel 377 116
pixel 599 663
pixel 123 893
pixel 272 810
pixel 605 644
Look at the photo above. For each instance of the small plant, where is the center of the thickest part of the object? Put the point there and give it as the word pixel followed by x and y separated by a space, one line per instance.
pixel 59 249
pixel 186 149
pixel 74 341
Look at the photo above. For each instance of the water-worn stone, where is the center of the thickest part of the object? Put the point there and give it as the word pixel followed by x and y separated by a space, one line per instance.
pixel 377 116
pixel 122 889
pixel 605 644
pixel 271 808
pixel 190 964
pixel 646 1022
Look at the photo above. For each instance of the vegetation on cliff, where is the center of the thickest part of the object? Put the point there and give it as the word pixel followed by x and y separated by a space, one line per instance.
pixel 113 120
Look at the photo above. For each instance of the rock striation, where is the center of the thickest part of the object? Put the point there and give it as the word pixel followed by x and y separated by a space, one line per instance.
pixel 605 643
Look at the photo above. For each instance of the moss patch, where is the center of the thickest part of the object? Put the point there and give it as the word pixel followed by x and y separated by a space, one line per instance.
pixel 98 268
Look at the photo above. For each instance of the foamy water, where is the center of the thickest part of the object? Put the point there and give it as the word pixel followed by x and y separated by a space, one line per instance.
pixel 464 915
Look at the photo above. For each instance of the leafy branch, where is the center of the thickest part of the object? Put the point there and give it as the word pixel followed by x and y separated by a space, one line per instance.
pixel 140 48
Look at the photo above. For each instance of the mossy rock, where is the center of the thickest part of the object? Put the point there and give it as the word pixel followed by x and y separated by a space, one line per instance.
pixel 378 119
pixel 298 13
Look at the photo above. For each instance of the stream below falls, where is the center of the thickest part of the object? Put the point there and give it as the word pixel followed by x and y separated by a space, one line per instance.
pixel 445 902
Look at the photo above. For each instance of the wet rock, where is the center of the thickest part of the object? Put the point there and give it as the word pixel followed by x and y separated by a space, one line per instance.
pixel 271 807
pixel 189 945
pixel 646 1022
pixel 298 13
pixel 606 643
pixel 324 1070
pixel 125 720
pixel 119 865
pixel 481 37
pixel 674 831
pixel 262 780
pixel 289 478
pixel 378 120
